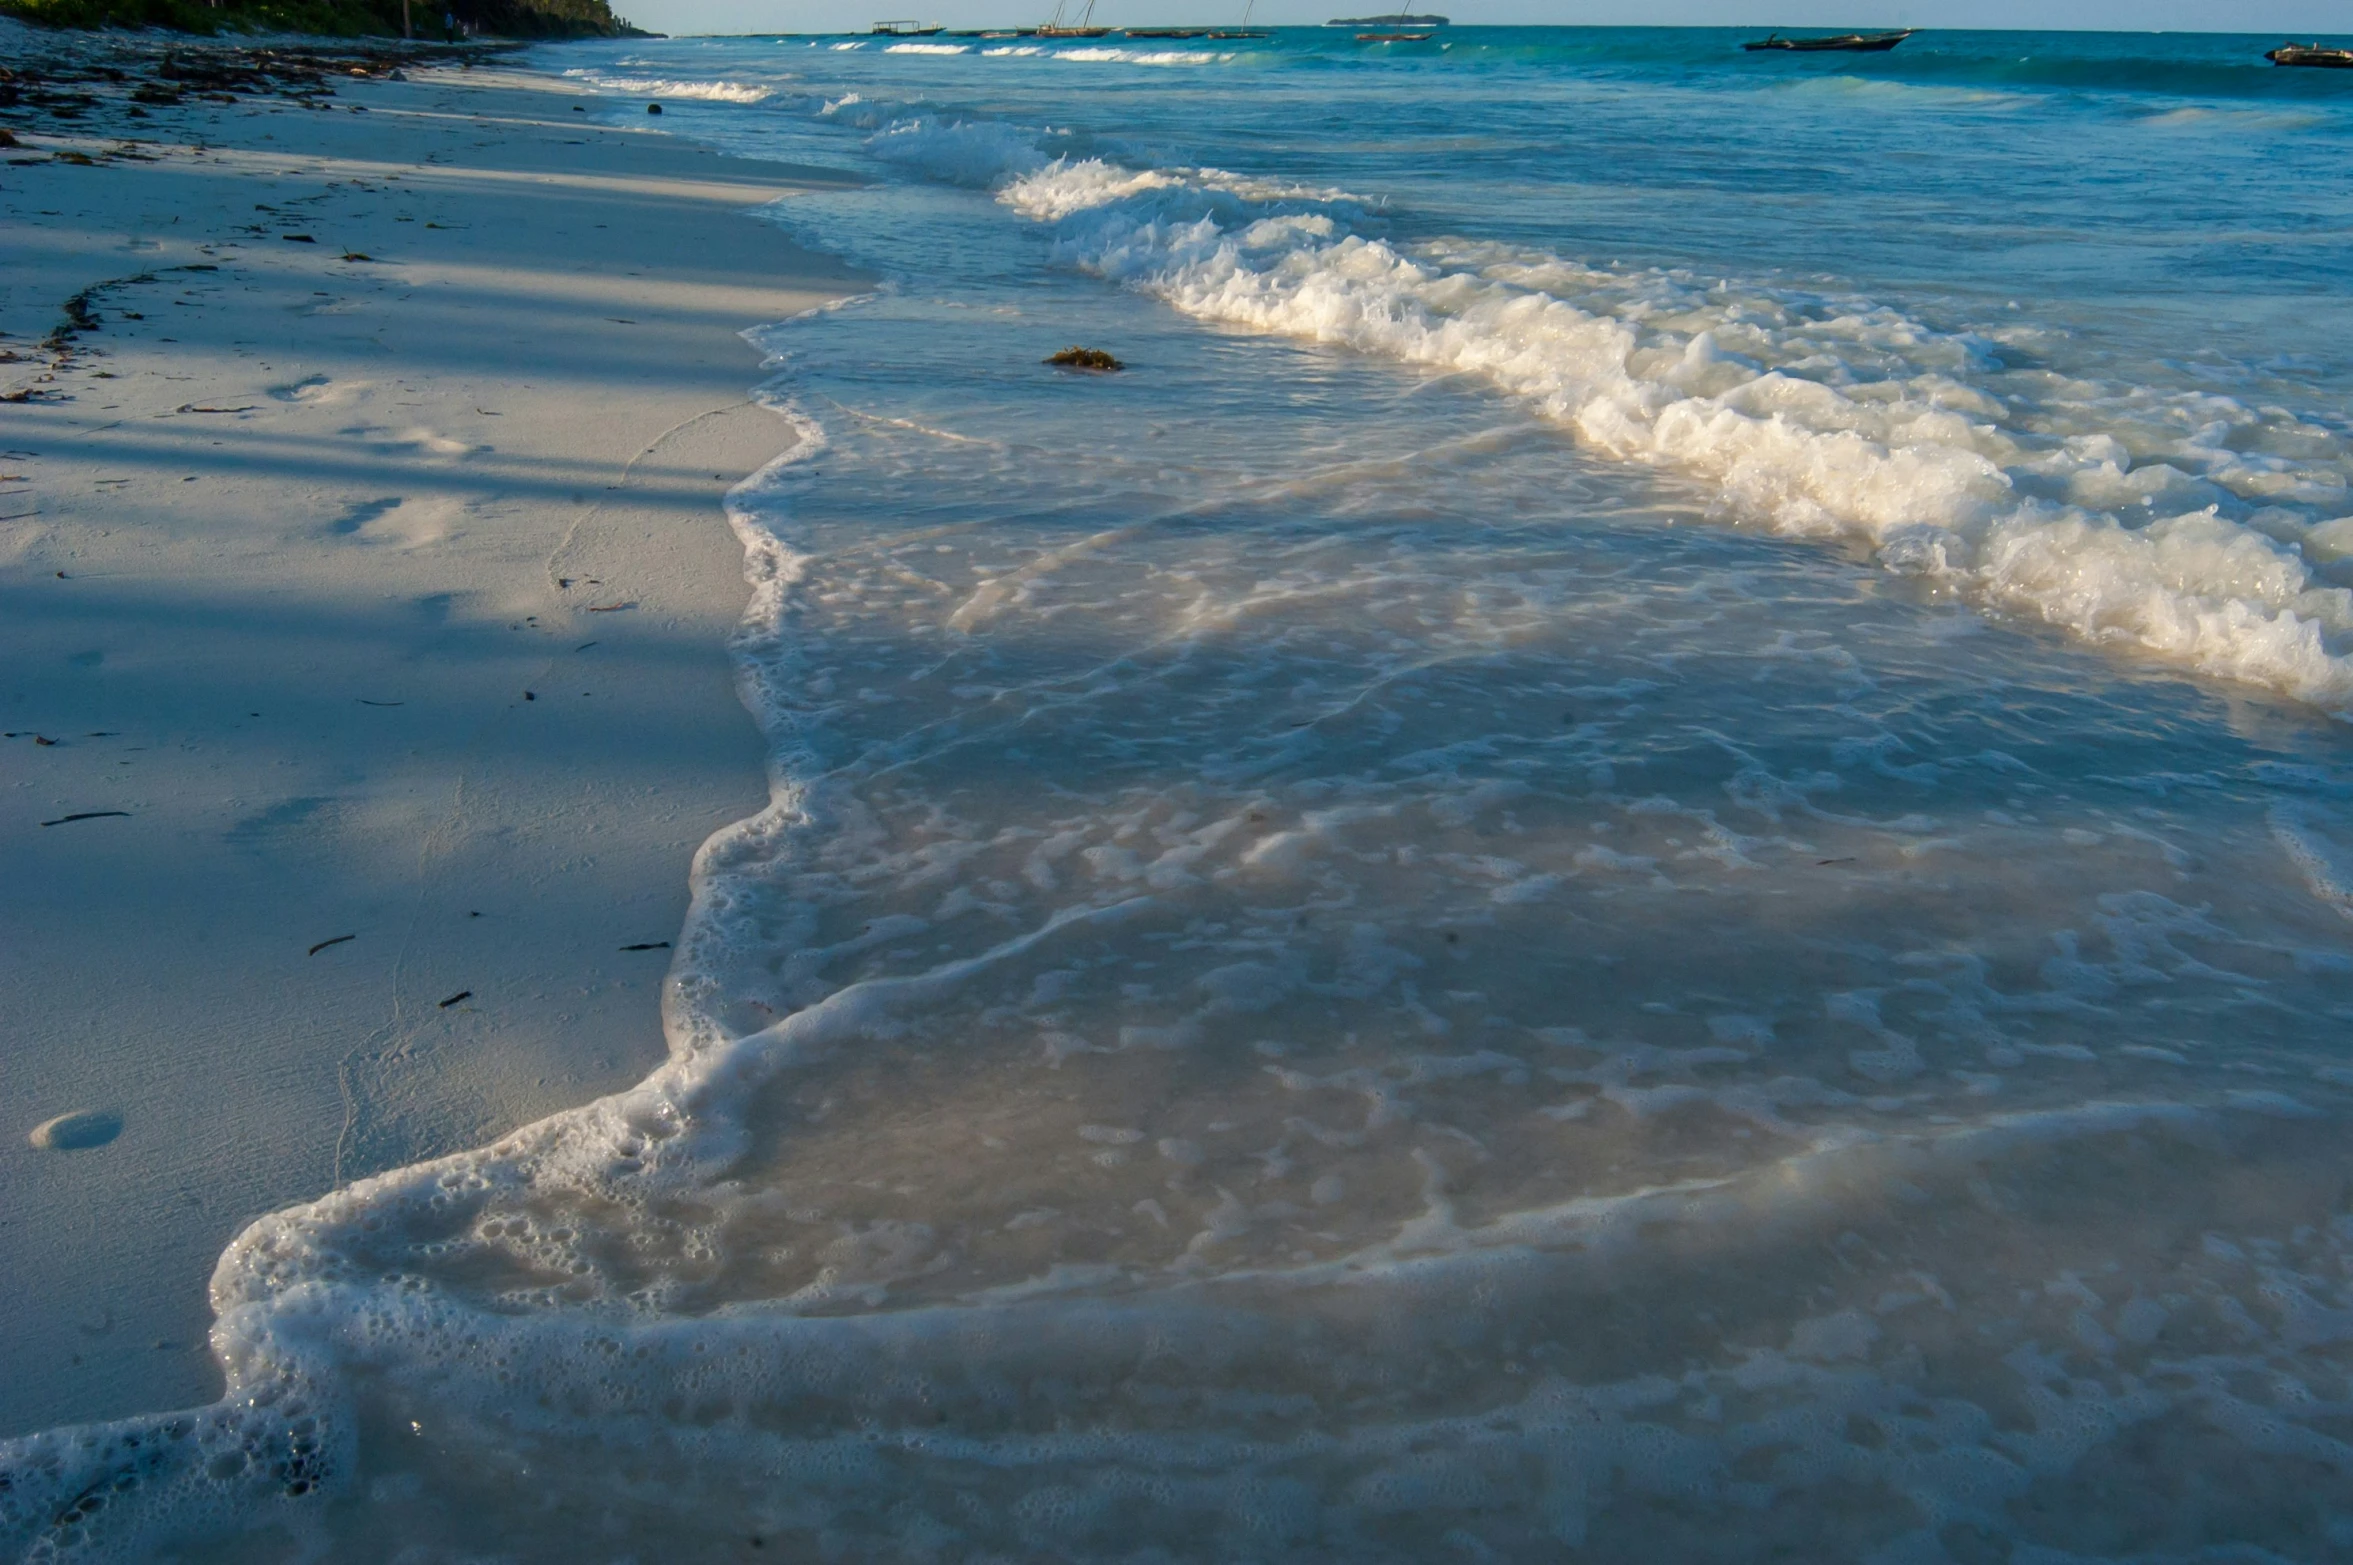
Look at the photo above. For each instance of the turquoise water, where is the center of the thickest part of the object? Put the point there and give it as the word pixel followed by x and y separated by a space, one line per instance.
pixel 1639 852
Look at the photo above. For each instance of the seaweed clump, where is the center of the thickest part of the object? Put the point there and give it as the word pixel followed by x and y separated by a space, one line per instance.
pixel 1075 358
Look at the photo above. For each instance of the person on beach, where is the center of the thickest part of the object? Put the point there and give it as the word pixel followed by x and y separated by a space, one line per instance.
pixel 449 25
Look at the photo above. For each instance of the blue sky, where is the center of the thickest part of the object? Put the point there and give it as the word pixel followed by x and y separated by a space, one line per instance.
pixel 2233 16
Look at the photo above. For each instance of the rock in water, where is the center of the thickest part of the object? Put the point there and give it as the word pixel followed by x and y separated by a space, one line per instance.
pixel 78 1130
pixel 1075 358
pixel 653 108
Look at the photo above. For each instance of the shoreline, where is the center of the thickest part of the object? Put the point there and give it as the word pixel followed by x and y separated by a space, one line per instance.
pixel 380 577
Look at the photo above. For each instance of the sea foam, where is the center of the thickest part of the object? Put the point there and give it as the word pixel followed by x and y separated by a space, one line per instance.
pixel 2188 527
pixel 2167 525
pixel 664 87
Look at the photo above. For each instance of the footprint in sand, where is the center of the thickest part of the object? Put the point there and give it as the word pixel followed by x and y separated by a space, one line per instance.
pixel 414 441
pixel 397 521
pixel 17 541
pixel 318 391
pixel 77 1131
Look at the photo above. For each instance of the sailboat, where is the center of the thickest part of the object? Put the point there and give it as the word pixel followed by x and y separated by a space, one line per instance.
pixel 1055 29
pixel 1244 30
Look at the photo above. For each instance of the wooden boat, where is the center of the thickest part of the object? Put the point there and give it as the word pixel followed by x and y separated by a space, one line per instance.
pixel 2312 54
pixel 1395 37
pixel 909 29
pixel 1245 30
pixel 1054 28
pixel 1845 43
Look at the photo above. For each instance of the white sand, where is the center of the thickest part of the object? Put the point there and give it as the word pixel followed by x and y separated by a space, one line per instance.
pixel 305 626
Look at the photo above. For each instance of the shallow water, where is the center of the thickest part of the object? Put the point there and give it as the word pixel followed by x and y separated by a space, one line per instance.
pixel 1640 852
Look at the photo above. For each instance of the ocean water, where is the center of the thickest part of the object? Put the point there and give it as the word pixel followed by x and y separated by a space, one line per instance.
pixel 1643 851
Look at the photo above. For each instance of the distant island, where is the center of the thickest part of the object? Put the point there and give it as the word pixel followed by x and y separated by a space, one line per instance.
pixel 1390 19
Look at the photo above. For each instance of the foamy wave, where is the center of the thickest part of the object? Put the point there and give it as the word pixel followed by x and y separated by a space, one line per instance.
pixel 1140 56
pixel 2184 526
pixel 663 87
pixel 928 48
pixel 973 152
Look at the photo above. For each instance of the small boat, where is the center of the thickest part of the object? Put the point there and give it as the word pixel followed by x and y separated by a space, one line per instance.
pixel 1846 43
pixel 1166 32
pixel 1393 21
pixel 1395 37
pixel 2312 54
pixel 909 29
pixel 1053 28
pixel 1245 30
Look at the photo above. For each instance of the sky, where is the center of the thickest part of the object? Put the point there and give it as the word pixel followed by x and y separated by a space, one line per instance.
pixel 2283 17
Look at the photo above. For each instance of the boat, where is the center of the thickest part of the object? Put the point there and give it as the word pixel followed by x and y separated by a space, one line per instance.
pixel 1243 31
pixel 1395 37
pixel 909 29
pixel 1085 28
pixel 2311 54
pixel 1846 43
pixel 1055 29
pixel 1392 21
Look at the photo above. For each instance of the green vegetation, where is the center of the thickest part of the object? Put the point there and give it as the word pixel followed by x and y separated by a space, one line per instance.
pixel 331 18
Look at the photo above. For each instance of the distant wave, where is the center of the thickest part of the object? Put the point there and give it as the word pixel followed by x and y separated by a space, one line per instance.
pixel 664 87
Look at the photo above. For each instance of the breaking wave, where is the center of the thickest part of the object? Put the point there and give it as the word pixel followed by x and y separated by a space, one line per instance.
pixel 663 87
pixel 2185 526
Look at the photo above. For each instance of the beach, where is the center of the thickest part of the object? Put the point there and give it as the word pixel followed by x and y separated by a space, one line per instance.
pixel 1536 793
pixel 389 599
